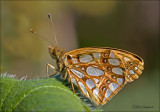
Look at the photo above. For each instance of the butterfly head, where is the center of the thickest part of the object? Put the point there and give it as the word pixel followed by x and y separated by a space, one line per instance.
pixel 55 52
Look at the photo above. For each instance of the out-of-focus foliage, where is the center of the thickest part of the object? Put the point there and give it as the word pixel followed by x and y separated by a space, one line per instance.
pixel 88 8
pixel 128 25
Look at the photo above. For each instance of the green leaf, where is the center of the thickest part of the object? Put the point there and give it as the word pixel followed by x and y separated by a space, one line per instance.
pixel 6 83
pixel 38 95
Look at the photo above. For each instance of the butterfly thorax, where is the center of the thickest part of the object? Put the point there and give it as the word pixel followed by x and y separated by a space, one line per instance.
pixel 57 54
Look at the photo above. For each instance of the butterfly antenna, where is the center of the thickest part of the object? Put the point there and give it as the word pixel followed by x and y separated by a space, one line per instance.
pixel 55 37
pixel 32 31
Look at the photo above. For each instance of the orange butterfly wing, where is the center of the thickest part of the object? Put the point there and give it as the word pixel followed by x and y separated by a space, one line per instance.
pixel 101 72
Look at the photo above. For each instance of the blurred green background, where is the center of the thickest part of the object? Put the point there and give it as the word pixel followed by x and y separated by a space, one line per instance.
pixel 128 25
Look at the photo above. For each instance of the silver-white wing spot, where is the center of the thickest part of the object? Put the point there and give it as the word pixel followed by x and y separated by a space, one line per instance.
pixel 93 62
pixel 96 80
pixel 111 55
pixel 77 66
pixel 126 59
pixel 95 93
pixel 120 80
pixel 131 72
pixel 94 71
pixel 117 70
pixel 104 99
pixel 135 68
pixel 74 81
pixel 85 58
pixel 114 61
pixel 74 60
pixel 83 88
pixel 66 59
pixel 83 68
pixel 108 93
pixel 90 84
pixel 96 55
pixel 113 86
pixel 77 73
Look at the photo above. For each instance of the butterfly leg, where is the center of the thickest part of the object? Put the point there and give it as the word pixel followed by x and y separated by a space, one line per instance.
pixel 49 65
pixel 65 75
pixel 72 85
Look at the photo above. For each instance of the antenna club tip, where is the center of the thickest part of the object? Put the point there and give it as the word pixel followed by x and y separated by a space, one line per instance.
pixel 49 16
pixel 32 31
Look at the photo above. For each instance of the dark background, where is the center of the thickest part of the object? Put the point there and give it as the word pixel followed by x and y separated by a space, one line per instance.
pixel 128 25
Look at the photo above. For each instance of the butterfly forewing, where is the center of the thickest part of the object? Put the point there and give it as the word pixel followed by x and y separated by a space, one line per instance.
pixel 101 72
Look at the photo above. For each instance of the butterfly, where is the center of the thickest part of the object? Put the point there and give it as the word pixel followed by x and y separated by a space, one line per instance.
pixel 99 72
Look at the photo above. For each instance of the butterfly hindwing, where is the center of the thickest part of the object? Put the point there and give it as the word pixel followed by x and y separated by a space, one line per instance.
pixel 101 72
pixel 133 64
